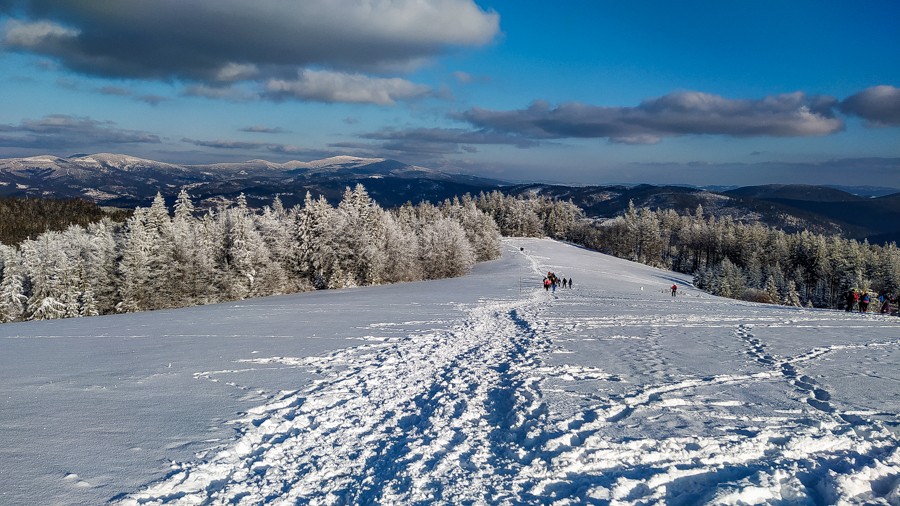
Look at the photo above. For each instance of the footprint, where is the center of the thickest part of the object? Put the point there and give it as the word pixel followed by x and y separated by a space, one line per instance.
pixel 76 481
pixel 821 406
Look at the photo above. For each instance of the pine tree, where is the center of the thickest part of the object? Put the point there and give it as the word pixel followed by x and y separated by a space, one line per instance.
pixel 47 264
pixel 135 266
pixel 792 298
pixel 158 226
pixel 12 285
pixel 358 254
pixel 772 290
pixel 100 264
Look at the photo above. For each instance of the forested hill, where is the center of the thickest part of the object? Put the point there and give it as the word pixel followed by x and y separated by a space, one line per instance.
pixel 25 218
pixel 792 208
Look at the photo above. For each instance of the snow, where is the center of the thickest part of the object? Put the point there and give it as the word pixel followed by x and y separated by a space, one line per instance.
pixel 483 389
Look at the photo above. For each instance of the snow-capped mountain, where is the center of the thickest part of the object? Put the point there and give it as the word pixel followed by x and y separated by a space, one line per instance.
pixel 122 180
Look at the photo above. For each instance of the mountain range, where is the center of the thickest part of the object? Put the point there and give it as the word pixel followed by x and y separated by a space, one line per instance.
pixel 125 181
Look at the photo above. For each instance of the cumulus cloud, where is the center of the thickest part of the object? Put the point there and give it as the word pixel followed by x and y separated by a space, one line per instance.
pixel 328 86
pixel 229 40
pixel 63 132
pixel 679 113
pixel 878 105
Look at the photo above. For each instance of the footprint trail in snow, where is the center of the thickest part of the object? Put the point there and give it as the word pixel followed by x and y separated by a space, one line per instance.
pixel 569 399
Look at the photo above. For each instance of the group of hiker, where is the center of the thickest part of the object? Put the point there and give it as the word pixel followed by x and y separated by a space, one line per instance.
pixel 551 281
pixel 861 299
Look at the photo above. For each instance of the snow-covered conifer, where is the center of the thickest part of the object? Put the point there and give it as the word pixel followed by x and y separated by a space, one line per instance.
pixel 360 255
pixel 792 298
pixel 12 285
pixel 134 268
pixel 401 248
pixel 444 249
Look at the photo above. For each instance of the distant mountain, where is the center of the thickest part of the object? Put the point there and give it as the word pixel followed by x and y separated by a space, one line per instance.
pixel 876 219
pixel 792 208
pixel 795 192
pixel 127 181
pixel 867 191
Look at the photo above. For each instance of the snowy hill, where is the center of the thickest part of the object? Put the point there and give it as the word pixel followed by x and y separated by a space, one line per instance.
pixel 480 389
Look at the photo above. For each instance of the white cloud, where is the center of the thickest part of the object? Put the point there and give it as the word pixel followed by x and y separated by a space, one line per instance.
pixel 236 72
pixel 328 86
pixel 35 35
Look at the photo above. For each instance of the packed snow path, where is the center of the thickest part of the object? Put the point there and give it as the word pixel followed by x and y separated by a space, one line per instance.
pixel 610 393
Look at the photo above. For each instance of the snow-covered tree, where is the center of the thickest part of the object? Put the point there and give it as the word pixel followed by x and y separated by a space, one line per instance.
pixel 444 249
pixel 792 298
pixel 359 255
pixel 12 285
pixel 134 268
pixel 401 247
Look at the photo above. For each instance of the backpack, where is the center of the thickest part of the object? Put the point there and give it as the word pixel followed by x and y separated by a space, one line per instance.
pixel 866 298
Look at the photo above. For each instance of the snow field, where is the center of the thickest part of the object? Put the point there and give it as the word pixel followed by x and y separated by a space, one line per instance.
pixel 488 390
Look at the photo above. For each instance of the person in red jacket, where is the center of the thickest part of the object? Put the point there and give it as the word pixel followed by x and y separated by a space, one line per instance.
pixel 674 289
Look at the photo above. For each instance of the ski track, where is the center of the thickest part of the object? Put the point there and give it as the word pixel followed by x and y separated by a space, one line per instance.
pixel 460 417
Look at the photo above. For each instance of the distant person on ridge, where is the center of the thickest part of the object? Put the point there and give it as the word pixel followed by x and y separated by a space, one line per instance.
pixel 864 303
pixel 570 282
pixel 851 299
pixel 674 289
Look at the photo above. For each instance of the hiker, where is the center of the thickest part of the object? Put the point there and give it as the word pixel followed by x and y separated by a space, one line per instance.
pixel 564 281
pixel 674 289
pixel 885 304
pixel 851 299
pixel 864 303
pixel 570 282
pixel 546 284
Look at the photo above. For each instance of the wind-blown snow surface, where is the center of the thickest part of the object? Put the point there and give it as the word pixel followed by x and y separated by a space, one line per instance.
pixel 481 389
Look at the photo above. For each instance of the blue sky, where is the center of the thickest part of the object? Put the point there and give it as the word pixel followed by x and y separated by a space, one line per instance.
pixel 578 92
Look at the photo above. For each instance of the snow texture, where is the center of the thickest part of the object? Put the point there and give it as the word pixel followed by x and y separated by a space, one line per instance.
pixel 477 390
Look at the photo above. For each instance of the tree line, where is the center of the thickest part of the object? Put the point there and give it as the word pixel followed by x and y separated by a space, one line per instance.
pixel 156 260
pixel 26 218
pixel 746 261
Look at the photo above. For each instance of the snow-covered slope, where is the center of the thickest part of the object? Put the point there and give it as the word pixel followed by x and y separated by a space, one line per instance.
pixel 483 390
